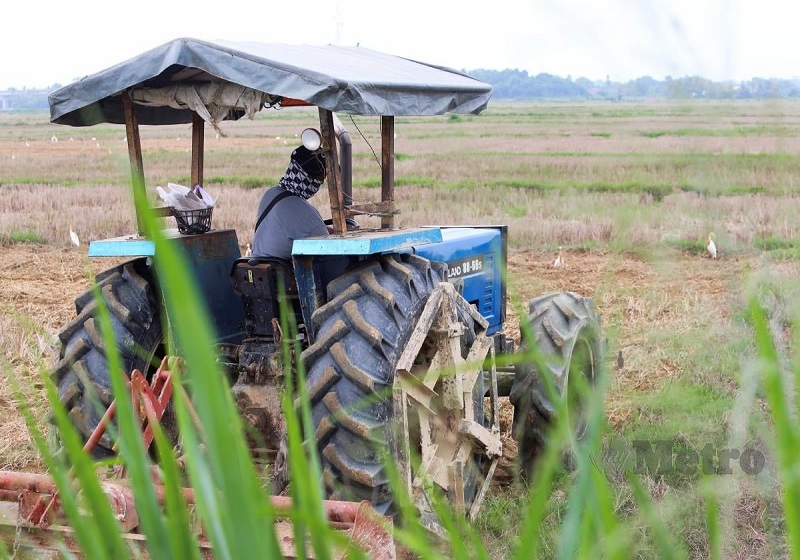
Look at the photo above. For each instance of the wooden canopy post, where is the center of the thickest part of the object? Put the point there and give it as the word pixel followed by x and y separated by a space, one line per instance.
pixel 198 149
pixel 338 211
pixel 387 170
pixel 135 156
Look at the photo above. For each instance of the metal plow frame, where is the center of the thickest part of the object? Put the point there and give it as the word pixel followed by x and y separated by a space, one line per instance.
pixel 31 517
pixel 363 527
pixel 434 382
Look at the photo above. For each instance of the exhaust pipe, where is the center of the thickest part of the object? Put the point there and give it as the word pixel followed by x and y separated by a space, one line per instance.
pixel 345 159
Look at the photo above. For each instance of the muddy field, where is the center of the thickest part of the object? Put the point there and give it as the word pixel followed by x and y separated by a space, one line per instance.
pixel 674 317
pixel 635 297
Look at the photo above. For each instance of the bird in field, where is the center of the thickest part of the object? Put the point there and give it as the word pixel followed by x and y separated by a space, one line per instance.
pixel 74 238
pixel 249 251
pixel 559 262
pixel 711 246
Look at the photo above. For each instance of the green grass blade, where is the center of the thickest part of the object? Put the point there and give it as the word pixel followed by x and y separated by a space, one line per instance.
pixel 656 525
pixel 712 522
pixel 91 517
pixel 130 442
pixel 535 513
pixel 80 496
pixel 410 534
pixel 785 423
pixel 232 504
pixel 182 542
pixel 308 514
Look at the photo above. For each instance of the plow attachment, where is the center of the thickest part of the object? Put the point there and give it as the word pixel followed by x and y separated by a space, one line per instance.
pixel 21 496
pixel 32 520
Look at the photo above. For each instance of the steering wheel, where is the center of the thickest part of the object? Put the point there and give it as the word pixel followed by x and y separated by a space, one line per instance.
pixel 352 224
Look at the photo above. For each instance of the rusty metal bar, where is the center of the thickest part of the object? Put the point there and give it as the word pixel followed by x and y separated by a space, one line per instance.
pixel 335 511
pixel 17 481
pixel 11 483
pixel 338 213
pixel 387 169
pixel 100 429
pixel 478 501
pixel 27 493
pixel 135 156
pixel 198 149
pixel 155 397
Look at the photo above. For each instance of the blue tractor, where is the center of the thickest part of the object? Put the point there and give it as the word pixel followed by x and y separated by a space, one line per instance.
pixel 400 328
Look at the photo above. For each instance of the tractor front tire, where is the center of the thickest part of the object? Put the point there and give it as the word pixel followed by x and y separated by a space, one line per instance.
pixel 361 334
pixel 82 373
pixel 564 329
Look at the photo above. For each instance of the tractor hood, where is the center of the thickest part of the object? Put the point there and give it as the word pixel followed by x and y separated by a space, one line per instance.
pixel 225 80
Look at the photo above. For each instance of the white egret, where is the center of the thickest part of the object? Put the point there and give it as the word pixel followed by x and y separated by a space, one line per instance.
pixel 559 262
pixel 711 246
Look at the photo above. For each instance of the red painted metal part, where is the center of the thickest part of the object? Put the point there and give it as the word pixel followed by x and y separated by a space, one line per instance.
pixel 30 501
pixel 366 529
pixel 150 400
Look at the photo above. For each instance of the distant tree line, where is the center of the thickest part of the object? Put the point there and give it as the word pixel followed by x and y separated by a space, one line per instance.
pixel 517 84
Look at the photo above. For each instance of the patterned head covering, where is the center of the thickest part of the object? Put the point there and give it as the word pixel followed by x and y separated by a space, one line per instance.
pixel 297 179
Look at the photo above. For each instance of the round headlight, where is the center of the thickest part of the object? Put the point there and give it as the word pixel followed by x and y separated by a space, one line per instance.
pixel 311 139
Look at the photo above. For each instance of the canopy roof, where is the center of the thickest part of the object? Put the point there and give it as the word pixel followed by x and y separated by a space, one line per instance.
pixel 172 81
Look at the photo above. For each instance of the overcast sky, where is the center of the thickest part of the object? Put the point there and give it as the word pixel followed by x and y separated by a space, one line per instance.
pixel 43 43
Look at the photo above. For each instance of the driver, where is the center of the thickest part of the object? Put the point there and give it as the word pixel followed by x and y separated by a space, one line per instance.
pixel 284 213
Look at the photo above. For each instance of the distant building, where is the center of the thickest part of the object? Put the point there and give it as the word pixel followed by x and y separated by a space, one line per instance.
pixel 5 101
pixel 24 99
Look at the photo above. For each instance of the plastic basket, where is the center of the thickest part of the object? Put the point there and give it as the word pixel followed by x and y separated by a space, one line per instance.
pixel 192 222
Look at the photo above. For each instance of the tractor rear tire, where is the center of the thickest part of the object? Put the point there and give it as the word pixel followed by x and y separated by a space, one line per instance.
pixel 566 330
pixel 82 373
pixel 361 334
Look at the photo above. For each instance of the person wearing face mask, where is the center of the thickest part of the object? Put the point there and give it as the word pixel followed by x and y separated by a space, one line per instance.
pixel 284 212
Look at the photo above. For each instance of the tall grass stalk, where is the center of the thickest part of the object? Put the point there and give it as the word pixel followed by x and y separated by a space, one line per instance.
pixel 712 523
pixel 784 418
pixel 131 444
pixel 79 491
pixel 308 514
pixel 234 508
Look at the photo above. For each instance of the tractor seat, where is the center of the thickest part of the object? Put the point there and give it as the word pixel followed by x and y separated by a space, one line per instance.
pixel 259 281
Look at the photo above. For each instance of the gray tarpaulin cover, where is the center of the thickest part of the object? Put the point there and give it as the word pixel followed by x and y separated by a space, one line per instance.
pixel 227 80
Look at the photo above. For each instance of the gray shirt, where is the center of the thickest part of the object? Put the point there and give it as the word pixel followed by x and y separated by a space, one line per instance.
pixel 292 217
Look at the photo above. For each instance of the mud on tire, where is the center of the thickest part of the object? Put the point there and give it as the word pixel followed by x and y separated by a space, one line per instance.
pixel 565 328
pixel 82 371
pixel 361 334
